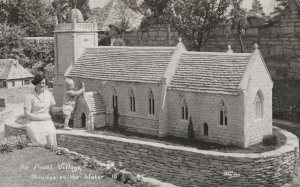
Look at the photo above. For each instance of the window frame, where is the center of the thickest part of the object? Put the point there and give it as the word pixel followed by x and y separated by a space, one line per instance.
pixel 26 82
pixel 151 103
pixel 132 106
pixel 184 111
pixel 222 113
pixel 258 106
pixel 114 99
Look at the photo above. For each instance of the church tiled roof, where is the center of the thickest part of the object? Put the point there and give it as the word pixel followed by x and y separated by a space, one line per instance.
pixel 11 69
pixel 95 102
pixel 136 64
pixel 210 72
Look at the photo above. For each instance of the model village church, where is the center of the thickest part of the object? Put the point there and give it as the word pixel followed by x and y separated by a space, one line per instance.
pixel 157 90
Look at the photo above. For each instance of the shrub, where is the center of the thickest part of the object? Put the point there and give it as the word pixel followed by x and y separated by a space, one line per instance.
pixel 271 139
pixel 116 118
pixel 286 100
pixel 191 135
pixel 12 142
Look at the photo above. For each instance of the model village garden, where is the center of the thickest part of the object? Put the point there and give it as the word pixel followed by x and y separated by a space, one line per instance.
pixel 204 93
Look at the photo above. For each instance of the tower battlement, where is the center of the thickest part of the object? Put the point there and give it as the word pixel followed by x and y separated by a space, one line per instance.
pixel 65 27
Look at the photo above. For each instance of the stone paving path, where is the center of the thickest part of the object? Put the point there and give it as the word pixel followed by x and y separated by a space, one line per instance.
pixel 16 109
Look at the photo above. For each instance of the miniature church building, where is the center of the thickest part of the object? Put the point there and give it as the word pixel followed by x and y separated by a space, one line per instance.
pixel 89 111
pixel 158 90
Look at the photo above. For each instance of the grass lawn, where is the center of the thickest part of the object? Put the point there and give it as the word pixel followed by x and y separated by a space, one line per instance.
pixel 39 167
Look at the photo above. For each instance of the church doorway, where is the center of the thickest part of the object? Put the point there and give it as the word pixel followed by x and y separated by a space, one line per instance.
pixel 205 129
pixel 83 120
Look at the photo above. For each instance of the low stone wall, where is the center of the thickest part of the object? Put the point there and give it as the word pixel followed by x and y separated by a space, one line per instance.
pixel 12 128
pixel 186 166
pixel 15 95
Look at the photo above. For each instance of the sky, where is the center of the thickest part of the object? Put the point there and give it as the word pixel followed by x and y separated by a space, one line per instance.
pixel 268 5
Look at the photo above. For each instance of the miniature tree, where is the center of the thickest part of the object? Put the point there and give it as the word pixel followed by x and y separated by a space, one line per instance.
pixel 281 6
pixel 237 19
pixel 116 118
pixel 191 135
pixel 257 7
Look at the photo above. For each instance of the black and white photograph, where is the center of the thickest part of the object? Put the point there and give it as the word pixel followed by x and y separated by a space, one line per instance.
pixel 149 93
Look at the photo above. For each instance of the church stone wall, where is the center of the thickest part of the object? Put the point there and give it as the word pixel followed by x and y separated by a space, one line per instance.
pixel 255 129
pixel 186 166
pixel 139 121
pixel 204 108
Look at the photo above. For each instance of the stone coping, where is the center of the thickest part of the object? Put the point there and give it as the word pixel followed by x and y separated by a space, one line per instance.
pixel 291 144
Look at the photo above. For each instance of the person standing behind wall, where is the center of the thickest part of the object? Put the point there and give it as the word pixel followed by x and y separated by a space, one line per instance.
pixel 114 37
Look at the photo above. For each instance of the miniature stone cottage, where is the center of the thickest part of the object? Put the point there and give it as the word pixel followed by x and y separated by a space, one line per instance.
pixel 13 75
pixel 157 90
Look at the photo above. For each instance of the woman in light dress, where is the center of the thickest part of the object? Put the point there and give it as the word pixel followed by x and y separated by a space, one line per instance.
pixel 40 127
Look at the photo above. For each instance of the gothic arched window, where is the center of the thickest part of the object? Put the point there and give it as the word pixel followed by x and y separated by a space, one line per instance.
pixel 132 101
pixel 184 110
pixel 258 105
pixel 115 99
pixel 223 120
pixel 151 102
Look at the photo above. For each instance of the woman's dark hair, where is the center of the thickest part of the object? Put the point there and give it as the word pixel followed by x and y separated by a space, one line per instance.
pixel 37 79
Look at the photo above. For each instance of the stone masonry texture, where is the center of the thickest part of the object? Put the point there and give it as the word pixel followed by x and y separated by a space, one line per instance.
pixel 15 95
pixel 278 41
pixel 185 166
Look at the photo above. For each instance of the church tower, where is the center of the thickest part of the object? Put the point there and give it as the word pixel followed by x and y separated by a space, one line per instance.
pixel 70 40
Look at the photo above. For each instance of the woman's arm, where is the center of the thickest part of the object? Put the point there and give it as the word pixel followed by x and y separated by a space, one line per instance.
pixel 34 117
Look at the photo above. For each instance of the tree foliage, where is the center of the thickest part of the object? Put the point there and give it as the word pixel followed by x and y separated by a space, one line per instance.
pixel 33 16
pixel 41 58
pixel 237 20
pixel 38 57
pixel 257 7
pixel 116 119
pixel 197 19
pixel 281 6
pixel 11 43
pixel 191 134
pixel 62 7
pixel 194 19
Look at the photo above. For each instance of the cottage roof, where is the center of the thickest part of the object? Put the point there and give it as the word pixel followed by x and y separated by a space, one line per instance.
pixel 95 102
pixel 114 13
pixel 11 69
pixel 209 72
pixel 135 64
